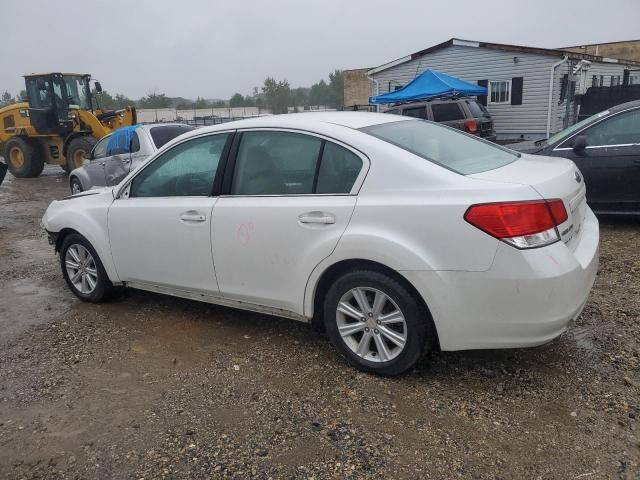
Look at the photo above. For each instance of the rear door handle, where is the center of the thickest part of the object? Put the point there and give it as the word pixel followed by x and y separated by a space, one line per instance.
pixel 192 217
pixel 317 217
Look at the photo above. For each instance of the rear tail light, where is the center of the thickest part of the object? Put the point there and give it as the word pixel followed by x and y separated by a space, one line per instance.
pixel 471 126
pixel 527 224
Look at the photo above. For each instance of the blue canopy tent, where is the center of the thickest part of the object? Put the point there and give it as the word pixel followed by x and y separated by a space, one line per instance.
pixel 427 85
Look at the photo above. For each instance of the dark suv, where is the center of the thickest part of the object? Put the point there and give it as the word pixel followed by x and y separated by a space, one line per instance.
pixel 465 114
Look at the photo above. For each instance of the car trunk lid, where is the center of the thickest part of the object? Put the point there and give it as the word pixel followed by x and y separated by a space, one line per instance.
pixel 551 178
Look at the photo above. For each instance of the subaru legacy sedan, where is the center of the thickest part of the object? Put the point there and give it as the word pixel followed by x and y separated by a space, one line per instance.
pixel 396 234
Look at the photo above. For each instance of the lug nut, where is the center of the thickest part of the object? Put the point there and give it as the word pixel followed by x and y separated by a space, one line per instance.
pixel 378 322
pixel 376 331
pixel 363 319
pixel 366 329
pixel 370 314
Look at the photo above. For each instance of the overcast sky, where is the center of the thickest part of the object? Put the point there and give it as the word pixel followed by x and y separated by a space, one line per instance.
pixel 214 48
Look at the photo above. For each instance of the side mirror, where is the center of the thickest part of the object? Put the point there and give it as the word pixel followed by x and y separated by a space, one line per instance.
pixel 579 143
pixel 98 87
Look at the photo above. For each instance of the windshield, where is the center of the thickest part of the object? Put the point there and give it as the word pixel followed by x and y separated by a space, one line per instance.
pixel 445 146
pixel 573 128
pixel 78 92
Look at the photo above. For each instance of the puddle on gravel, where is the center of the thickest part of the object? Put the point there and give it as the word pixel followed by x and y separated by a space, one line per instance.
pixel 27 302
pixel 583 337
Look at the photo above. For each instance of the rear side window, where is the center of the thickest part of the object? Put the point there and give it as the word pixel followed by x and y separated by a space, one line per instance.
pixel 443 145
pixel 415 112
pixel 165 133
pixel 286 163
pixel 446 112
pixel 339 169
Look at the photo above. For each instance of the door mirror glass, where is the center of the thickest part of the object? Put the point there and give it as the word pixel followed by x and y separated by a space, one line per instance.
pixel 98 87
pixel 579 143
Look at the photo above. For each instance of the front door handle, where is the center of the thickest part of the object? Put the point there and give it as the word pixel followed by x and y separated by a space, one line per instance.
pixel 317 217
pixel 192 217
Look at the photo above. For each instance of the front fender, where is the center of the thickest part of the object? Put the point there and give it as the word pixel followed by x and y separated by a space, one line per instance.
pixel 82 175
pixel 90 221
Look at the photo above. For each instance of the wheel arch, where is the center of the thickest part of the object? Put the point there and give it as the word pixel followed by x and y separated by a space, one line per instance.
pixel 335 270
pixel 71 137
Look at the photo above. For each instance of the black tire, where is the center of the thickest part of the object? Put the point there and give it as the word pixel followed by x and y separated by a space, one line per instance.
pixel 103 289
pixel 420 333
pixel 77 149
pixel 24 157
pixel 74 182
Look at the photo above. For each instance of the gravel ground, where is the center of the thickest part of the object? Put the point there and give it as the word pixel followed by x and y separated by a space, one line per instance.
pixel 148 386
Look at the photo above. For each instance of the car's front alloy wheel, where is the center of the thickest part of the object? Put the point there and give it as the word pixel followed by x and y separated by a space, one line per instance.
pixel 376 323
pixel 82 269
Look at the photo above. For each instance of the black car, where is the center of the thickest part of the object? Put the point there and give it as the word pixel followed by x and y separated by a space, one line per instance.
pixel 606 149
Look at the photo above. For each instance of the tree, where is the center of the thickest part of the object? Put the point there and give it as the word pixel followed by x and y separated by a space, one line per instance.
pixel 6 99
pixel 154 100
pixel 201 103
pixel 108 102
pixel 277 95
pixel 237 100
pixel 336 89
pixel 319 94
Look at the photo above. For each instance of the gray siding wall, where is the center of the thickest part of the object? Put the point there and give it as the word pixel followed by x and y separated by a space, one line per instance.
pixel 473 64
pixel 528 120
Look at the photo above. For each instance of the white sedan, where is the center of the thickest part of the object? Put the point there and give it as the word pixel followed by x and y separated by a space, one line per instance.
pixel 396 234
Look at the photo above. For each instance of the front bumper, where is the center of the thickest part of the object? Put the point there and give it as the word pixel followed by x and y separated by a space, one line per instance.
pixel 526 298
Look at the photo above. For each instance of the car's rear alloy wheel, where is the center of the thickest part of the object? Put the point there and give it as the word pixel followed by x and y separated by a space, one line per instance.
pixel 371 324
pixel 376 323
pixel 82 269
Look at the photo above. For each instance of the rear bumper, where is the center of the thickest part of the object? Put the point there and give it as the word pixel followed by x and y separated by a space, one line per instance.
pixel 526 298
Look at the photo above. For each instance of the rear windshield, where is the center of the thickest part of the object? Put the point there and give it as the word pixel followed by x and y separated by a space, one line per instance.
pixel 165 133
pixel 476 109
pixel 445 146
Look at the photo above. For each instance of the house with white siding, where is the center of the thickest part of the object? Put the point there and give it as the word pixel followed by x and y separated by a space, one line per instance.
pixel 530 90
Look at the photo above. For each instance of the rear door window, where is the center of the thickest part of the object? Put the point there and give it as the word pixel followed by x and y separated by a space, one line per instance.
pixel 446 112
pixel 275 163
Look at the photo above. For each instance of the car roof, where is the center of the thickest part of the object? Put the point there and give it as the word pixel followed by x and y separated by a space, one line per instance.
pixel 309 120
pixel 624 106
pixel 149 126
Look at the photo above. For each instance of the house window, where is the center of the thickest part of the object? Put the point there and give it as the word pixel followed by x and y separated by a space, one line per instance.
pixel 602 80
pixel 499 91
pixel 594 81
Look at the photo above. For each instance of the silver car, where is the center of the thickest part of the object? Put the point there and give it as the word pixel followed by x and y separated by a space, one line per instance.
pixel 116 154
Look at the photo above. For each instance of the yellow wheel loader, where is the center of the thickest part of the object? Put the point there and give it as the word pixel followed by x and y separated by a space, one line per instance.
pixel 58 124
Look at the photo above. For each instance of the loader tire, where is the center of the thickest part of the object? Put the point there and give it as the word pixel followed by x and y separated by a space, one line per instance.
pixel 24 157
pixel 76 151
